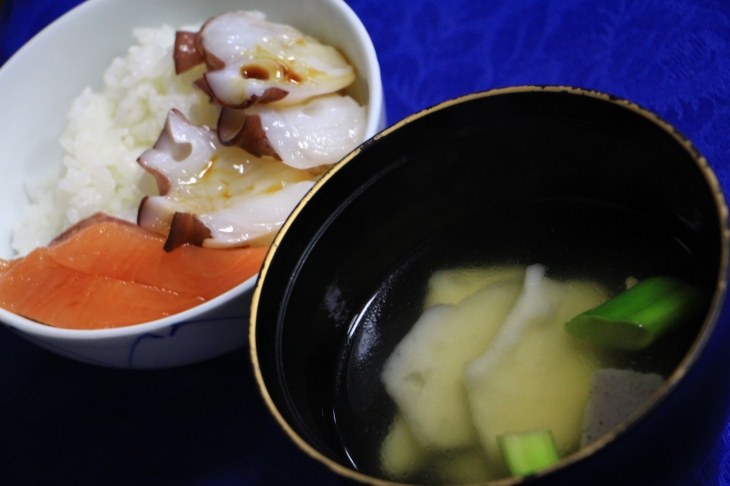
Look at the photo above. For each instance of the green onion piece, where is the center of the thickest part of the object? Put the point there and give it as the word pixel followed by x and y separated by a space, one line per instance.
pixel 528 452
pixel 639 316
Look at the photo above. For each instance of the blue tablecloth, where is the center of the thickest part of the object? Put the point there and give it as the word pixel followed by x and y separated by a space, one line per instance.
pixel 62 422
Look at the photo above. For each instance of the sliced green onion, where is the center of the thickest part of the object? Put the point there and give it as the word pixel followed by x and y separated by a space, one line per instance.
pixel 639 316
pixel 528 452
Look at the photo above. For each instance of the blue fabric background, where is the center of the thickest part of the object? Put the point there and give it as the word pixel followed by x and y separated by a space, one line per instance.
pixel 62 422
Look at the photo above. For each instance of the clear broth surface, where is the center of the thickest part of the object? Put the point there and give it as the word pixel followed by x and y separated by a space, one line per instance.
pixel 573 239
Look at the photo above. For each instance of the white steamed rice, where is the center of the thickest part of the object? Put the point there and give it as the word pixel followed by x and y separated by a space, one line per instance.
pixel 107 130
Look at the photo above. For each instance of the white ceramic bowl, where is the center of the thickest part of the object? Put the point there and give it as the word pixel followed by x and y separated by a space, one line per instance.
pixel 37 86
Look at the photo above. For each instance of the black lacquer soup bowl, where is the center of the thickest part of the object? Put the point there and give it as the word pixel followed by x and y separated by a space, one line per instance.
pixel 578 181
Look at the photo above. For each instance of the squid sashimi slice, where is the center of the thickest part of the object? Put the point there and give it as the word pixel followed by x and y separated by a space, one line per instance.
pixel 250 59
pixel 238 198
pixel 318 132
pixel 425 373
pixel 534 376
pixel 106 273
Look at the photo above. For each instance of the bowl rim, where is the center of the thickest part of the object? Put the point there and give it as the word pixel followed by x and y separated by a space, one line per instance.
pixel 375 120
pixel 706 330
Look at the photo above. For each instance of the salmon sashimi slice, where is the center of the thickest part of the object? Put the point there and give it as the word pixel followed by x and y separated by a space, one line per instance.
pixel 105 272
pixel 40 289
pixel 122 250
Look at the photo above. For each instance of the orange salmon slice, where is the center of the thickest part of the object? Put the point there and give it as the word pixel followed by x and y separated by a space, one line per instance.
pixel 105 273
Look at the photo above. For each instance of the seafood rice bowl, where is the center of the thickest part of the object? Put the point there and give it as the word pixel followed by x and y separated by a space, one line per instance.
pixel 172 156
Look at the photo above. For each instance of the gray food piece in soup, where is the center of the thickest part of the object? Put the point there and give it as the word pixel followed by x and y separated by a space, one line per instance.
pixel 615 394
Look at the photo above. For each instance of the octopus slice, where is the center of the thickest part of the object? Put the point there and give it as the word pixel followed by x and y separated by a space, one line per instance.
pixel 318 132
pixel 238 128
pixel 188 52
pixel 215 196
pixel 251 60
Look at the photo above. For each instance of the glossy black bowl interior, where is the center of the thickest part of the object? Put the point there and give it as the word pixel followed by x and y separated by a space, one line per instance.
pixel 448 166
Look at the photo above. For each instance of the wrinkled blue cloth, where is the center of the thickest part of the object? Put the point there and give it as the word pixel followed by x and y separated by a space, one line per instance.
pixel 63 422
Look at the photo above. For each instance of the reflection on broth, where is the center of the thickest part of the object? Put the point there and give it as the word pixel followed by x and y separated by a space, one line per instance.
pixel 463 351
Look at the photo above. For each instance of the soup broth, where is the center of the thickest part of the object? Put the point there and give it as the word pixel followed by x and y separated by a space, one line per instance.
pixel 573 240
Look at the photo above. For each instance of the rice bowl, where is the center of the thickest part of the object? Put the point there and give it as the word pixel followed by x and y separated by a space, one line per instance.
pixel 218 325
